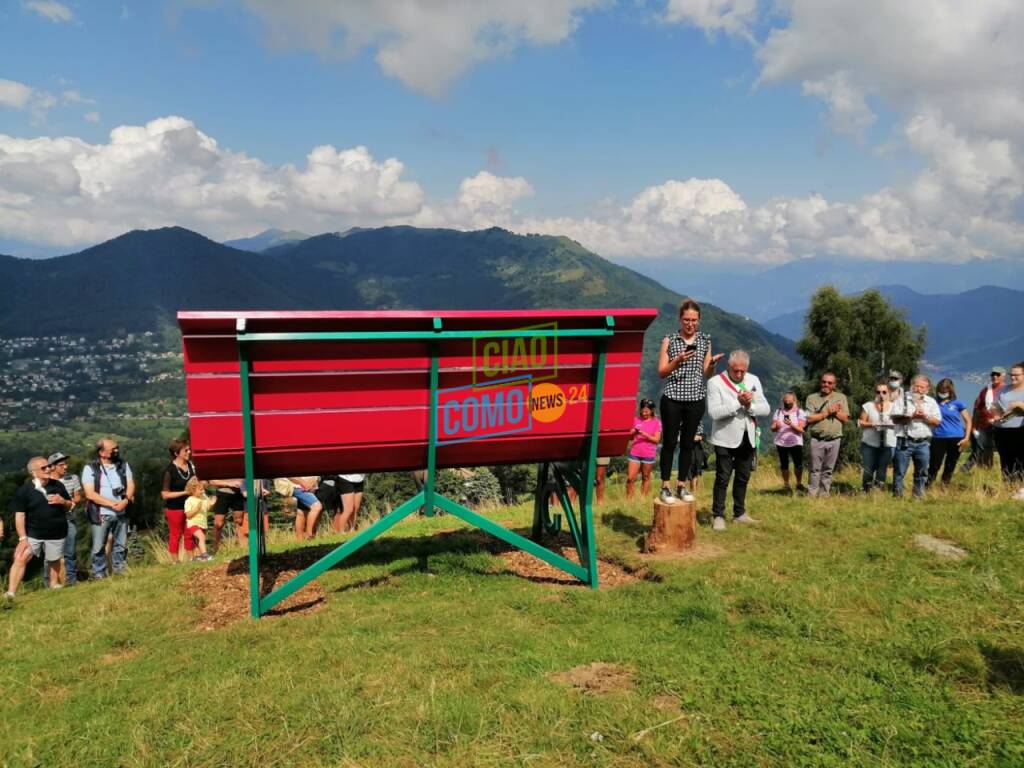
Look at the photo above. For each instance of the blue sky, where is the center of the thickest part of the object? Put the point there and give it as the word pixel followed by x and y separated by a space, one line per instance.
pixel 626 99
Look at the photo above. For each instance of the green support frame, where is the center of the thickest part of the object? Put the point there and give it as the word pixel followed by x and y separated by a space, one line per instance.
pixel 580 475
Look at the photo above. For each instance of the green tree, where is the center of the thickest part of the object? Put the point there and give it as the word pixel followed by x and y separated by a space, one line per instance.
pixel 859 338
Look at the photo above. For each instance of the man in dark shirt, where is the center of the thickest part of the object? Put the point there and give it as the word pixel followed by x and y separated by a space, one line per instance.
pixel 40 518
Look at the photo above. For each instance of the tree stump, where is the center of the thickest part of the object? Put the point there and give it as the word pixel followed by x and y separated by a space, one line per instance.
pixel 674 527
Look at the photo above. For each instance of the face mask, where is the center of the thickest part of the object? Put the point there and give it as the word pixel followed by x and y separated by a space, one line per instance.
pixel 787 405
pixel 944 395
pixel 894 384
pixel 115 455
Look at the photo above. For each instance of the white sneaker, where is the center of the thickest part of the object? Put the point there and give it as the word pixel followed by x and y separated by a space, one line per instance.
pixel 666 497
pixel 1019 495
pixel 686 496
pixel 718 524
pixel 745 520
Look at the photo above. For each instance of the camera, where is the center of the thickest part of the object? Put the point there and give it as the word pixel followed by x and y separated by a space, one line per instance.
pixel 120 493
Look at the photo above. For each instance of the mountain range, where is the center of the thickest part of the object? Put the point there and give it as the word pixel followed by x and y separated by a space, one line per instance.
pixel 765 294
pixel 139 280
pixel 967 332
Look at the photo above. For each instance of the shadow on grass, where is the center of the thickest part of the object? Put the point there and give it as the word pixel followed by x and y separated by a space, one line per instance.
pixel 626 524
pixel 387 550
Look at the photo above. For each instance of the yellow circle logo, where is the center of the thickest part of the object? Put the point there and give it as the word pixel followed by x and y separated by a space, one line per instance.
pixel 547 402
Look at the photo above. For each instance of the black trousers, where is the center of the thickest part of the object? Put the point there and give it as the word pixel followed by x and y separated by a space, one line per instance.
pixel 727 461
pixel 945 453
pixel 679 422
pixel 1010 444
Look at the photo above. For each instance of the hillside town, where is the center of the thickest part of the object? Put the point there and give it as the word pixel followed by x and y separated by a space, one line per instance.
pixel 55 379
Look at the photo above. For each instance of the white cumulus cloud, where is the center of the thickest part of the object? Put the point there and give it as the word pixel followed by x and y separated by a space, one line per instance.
pixel 14 94
pixel 424 43
pixel 50 9
pixel 733 17
pixel 68 191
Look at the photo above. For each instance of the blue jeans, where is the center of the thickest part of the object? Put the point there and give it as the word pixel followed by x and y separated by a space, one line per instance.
pixel 905 451
pixel 875 463
pixel 119 527
pixel 70 558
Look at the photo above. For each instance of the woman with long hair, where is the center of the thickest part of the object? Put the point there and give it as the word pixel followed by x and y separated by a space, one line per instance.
pixel 173 492
pixel 685 361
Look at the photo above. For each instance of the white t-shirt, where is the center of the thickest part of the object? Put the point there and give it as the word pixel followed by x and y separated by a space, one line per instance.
pixel 882 436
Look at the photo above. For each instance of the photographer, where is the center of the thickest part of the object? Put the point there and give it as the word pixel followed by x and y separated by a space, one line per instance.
pixel 685 361
pixel 788 424
pixel 109 489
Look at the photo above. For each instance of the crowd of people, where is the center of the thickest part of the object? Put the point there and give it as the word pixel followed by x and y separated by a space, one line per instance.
pixel 45 511
pixel 900 427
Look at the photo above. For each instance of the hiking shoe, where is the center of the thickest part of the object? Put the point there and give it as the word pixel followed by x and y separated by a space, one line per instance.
pixel 745 519
pixel 666 497
pixel 205 557
pixel 685 495
pixel 718 524
pixel 801 488
pixel 8 601
pixel 1019 495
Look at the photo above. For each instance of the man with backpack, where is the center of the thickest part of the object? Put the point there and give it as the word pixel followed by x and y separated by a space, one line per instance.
pixel 109 489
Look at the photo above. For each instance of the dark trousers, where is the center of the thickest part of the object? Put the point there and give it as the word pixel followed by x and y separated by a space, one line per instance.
pixel 728 460
pixel 1010 444
pixel 679 422
pixel 945 454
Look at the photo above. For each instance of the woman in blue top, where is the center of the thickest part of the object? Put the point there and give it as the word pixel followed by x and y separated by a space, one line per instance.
pixel 952 435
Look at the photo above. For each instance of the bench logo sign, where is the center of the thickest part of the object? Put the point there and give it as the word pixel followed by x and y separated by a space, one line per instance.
pixel 496 358
pixel 467 413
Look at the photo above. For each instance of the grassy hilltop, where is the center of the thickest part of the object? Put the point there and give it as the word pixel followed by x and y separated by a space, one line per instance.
pixel 821 637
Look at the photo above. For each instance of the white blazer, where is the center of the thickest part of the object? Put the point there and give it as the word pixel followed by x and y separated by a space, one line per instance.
pixel 729 418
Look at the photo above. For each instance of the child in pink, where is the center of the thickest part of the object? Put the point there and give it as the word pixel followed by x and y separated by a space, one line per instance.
pixel 643 448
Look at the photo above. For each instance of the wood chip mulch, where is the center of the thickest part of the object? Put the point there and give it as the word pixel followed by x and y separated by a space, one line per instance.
pixel 224 592
pixel 609 574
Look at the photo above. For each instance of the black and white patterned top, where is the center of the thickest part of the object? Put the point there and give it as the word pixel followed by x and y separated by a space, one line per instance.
pixel 687 382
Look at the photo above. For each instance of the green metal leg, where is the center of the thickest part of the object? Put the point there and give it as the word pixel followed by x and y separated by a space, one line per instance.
pixel 251 503
pixel 512 538
pixel 334 557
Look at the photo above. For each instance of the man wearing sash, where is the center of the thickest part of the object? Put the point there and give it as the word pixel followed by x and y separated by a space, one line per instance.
pixel 735 400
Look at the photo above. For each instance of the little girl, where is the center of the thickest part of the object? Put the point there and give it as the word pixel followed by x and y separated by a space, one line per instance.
pixel 197 506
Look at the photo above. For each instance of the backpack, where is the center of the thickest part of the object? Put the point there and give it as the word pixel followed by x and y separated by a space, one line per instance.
pixel 93 510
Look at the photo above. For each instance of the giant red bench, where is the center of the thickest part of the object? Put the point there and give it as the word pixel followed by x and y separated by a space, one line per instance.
pixel 294 393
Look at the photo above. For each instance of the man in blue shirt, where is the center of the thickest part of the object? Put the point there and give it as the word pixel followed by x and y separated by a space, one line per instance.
pixel 109 489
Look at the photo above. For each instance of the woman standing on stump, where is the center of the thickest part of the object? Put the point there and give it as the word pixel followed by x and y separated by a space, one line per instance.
pixel 685 362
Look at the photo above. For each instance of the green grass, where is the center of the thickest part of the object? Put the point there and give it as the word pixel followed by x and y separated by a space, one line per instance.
pixel 821 637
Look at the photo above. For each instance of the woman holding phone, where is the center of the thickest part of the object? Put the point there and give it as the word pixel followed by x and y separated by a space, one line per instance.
pixel 642 448
pixel 788 424
pixel 685 361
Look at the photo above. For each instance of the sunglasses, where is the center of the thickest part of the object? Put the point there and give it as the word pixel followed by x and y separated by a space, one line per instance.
pixel 881 391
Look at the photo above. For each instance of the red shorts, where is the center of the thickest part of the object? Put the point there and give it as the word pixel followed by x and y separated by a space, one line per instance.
pixel 191 531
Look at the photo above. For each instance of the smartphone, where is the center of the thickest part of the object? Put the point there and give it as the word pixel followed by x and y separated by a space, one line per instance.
pixel 690 348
